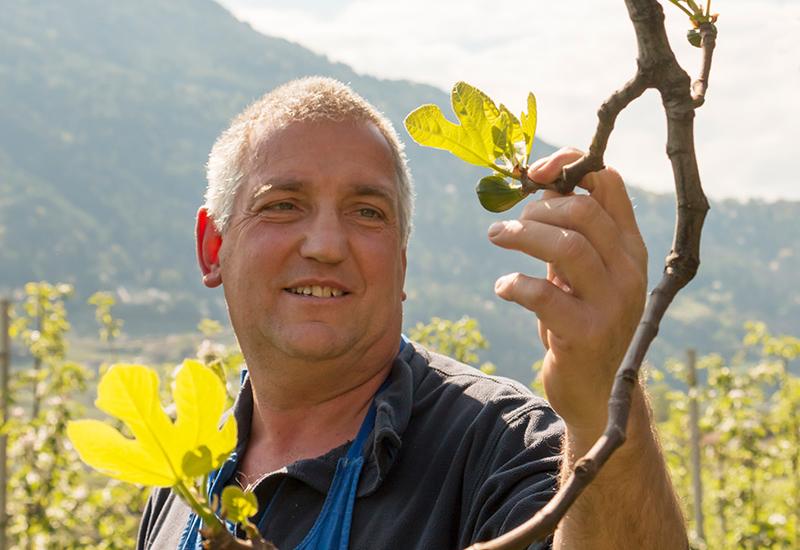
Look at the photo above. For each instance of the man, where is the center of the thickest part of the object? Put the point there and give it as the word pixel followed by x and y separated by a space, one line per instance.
pixel 353 438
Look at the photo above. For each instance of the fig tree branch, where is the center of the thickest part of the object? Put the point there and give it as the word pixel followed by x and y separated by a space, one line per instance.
pixel 657 68
pixel 708 39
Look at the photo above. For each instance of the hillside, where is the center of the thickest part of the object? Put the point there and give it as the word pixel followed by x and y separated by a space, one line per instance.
pixel 107 113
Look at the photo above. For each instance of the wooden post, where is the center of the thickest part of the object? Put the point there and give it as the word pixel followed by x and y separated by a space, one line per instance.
pixel 694 430
pixel 5 362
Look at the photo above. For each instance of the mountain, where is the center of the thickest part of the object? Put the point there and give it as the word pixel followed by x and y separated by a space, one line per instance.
pixel 108 111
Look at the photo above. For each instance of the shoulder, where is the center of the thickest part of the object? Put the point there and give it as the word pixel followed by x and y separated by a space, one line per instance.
pixel 504 442
pixel 451 398
pixel 466 388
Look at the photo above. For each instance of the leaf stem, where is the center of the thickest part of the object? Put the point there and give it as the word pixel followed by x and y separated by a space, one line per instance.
pixel 503 171
pixel 694 7
pixel 207 515
pixel 687 12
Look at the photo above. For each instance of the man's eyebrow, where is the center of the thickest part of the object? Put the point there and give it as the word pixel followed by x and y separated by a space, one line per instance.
pixel 277 185
pixel 358 189
pixel 366 189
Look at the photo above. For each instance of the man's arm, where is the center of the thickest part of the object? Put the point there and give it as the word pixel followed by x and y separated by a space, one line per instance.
pixel 588 309
pixel 631 503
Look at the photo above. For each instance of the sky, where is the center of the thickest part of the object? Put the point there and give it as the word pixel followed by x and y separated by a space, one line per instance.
pixel 572 55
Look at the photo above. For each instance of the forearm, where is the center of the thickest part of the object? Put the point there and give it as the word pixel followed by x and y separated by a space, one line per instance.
pixel 631 503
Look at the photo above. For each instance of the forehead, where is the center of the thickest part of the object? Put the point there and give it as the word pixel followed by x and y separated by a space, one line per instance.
pixel 310 151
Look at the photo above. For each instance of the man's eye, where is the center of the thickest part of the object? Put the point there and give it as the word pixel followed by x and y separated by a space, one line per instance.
pixel 280 206
pixel 369 213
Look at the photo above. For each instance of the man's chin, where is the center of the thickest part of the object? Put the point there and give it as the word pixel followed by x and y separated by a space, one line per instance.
pixel 318 346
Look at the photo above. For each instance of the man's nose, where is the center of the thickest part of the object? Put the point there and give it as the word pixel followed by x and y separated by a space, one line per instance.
pixel 325 239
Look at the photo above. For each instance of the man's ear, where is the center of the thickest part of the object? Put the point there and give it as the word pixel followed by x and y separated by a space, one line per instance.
pixel 405 264
pixel 209 242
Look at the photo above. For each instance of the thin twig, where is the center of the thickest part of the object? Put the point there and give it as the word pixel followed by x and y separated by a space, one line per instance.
pixel 607 114
pixel 708 40
pixel 657 68
pixel 531 187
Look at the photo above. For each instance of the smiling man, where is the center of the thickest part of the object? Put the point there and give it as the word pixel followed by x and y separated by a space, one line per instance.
pixel 352 437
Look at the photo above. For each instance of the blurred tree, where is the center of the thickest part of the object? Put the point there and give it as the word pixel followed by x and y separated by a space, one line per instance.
pixel 460 340
pixel 53 501
pixel 750 444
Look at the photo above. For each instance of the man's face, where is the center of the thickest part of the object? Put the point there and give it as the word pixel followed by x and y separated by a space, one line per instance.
pixel 312 263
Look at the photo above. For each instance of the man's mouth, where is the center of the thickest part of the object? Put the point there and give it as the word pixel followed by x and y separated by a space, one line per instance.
pixel 317 291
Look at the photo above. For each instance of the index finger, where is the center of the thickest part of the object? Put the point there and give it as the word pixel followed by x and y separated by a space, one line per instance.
pixel 605 186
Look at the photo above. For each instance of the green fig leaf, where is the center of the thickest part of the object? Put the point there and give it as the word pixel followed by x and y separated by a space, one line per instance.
pixel 237 505
pixel 497 194
pixel 156 454
pixel 694 38
pixel 476 111
pixel 428 126
pixel 197 462
pixel 501 137
pixel 528 121
pixel 516 138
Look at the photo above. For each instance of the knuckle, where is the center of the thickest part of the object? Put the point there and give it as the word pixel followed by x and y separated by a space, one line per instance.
pixel 583 208
pixel 529 210
pixel 615 178
pixel 632 279
pixel 571 244
pixel 637 253
pixel 541 294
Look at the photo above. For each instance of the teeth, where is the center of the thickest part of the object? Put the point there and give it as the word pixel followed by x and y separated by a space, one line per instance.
pixel 317 291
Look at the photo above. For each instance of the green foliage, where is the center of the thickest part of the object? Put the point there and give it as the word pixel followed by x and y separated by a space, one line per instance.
pixel 750 445
pixel 162 453
pixel 537 385
pixel 698 16
pixel 226 361
pixel 460 339
pixel 209 327
pixel 110 327
pixel 497 194
pixel 53 502
pixel 42 324
pixel 237 505
pixel 487 136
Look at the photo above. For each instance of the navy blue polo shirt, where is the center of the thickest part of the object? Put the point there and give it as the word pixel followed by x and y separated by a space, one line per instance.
pixel 456 457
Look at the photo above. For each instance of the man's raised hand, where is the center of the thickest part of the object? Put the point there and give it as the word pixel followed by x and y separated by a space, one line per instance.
pixel 593 297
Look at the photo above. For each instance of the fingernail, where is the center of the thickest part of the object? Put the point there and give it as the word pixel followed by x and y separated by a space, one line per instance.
pixel 500 284
pixel 496 228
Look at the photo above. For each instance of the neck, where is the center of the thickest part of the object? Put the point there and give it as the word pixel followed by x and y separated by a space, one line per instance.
pixel 304 417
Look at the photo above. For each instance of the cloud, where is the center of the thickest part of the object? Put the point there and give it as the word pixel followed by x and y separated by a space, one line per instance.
pixel 573 55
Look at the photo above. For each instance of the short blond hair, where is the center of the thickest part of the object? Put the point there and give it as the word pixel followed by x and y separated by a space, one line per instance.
pixel 306 99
